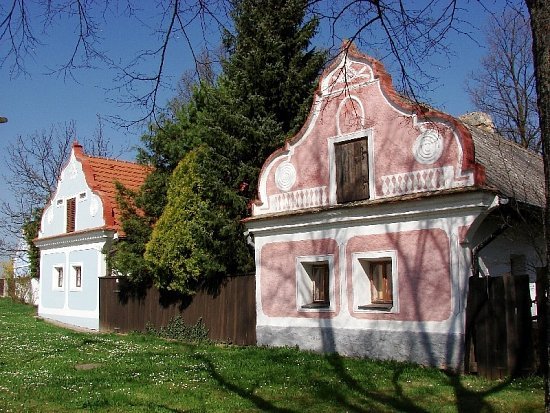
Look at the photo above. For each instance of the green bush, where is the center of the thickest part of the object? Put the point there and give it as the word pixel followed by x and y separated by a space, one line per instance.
pixel 177 329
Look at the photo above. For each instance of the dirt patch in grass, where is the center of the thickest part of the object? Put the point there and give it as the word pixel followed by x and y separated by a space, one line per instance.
pixel 87 366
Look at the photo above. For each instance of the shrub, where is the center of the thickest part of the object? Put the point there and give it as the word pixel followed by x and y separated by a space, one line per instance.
pixel 177 329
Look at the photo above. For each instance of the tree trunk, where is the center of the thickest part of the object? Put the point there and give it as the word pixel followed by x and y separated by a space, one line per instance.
pixel 539 11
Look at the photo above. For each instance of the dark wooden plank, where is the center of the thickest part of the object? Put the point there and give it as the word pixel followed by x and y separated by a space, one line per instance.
pixel 227 314
pixel 352 175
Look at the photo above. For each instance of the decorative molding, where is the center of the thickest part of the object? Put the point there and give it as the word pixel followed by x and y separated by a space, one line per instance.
pixel 347 74
pixel 302 198
pixel 285 176
pixel 356 119
pixel 428 147
pixel 94 205
pixel 418 181
pixel 74 238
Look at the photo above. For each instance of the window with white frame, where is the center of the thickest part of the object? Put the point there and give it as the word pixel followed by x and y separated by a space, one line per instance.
pixel 315 283
pixel 375 281
pixel 76 277
pixel 58 277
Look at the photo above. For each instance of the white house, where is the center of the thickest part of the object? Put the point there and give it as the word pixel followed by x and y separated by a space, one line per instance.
pixel 78 221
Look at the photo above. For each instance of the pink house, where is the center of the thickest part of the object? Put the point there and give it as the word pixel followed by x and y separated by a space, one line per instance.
pixel 366 221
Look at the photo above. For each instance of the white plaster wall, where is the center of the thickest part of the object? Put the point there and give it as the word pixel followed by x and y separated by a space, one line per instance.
pixel 89 208
pixel 67 305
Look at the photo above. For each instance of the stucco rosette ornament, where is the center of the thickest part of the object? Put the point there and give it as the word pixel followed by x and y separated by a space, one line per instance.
pixel 428 147
pixel 285 176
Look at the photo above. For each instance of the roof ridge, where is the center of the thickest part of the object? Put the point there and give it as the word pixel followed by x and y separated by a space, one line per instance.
pixel 106 158
pixel 501 138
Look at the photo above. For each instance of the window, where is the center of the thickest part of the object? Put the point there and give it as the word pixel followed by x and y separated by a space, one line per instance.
pixel 314 289
pixel 77 276
pixel 71 214
pixel 352 170
pixel 319 278
pixel 379 273
pixel 58 277
pixel 375 281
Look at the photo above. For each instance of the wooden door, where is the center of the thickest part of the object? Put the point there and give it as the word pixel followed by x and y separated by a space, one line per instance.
pixel 352 170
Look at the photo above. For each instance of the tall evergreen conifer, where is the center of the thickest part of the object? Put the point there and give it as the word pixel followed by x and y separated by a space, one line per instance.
pixel 262 96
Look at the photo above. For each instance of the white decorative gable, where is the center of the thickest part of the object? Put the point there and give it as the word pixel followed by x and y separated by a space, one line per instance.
pixel 88 206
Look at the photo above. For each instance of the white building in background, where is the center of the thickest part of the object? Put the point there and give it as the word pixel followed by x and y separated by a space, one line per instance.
pixel 79 220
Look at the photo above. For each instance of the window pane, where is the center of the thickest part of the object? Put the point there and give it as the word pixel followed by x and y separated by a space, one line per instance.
pixel 320 283
pixel 59 276
pixel 381 284
pixel 78 276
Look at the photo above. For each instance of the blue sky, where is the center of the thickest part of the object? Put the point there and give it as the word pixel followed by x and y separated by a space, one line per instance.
pixel 37 101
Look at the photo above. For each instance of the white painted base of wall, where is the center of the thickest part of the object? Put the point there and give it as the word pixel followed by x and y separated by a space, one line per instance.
pixel 91 323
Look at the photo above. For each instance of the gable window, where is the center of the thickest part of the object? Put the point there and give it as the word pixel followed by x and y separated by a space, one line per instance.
pixel 352 170
pixel 58 277
pixel 375 281
pixel 71 214
pixel 314 284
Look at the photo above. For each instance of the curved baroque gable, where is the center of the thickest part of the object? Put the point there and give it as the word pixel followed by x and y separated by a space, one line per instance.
pixel 362 141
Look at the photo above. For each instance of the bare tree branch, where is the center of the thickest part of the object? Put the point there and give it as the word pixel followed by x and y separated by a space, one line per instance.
pixel 505 86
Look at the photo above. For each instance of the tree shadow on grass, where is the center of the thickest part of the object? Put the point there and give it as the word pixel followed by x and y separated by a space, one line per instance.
pixel 400 402
pixel 467 400
pixel 259 402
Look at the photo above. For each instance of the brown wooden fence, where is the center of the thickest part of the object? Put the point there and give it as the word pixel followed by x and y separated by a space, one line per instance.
pixel 229 314
pixel 499 327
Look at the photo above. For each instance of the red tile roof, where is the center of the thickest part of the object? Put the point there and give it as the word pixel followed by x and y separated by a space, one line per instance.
pixel 101 175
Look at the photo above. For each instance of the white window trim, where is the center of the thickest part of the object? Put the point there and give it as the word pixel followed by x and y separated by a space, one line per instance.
pixel 365 133
pixel 72 277
pixel 304 287
pixel 55 279
pixel 361 283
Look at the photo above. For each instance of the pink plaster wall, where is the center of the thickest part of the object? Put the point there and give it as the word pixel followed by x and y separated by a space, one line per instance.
pixel 278 276
pixel 371 104
pixel 424 278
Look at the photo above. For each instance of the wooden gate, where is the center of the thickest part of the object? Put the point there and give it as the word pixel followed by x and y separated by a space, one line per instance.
pixel 499 332
pixel 229 314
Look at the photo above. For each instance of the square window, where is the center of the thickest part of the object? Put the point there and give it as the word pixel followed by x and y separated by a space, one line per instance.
pixel 375 281
pixel 314 283
pixel 379 273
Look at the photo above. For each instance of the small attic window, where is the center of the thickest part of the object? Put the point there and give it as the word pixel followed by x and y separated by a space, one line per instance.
pixel 82 195
pixel 71 215
pixel 59 202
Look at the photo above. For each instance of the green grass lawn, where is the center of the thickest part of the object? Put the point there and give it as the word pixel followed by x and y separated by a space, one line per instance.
pixel 44 368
